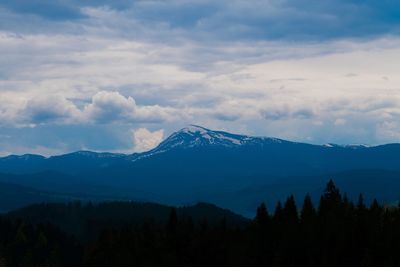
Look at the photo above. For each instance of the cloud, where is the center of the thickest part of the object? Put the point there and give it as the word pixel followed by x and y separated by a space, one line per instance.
pixel 340 121
pixel 285 112
pixel 145 140
pixel 54 10
pixel 50 139
pixel 108 107
pixel 48 109
pixel 104 108
pixel 60 9
pixel 276 114
pixel 226 116
pixel 229 20
pixel 281 68
pixel 351 75
pixel 389 130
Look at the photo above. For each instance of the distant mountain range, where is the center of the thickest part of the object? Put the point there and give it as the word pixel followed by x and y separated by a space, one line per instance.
pixel 198 164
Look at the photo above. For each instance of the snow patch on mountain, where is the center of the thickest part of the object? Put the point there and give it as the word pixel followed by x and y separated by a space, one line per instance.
pixel 352 146
pixel 195 136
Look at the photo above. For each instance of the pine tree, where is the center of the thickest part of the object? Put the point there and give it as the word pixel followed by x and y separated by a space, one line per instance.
pixel 172 221
pixel 308 211
pixel 332 193
pixel 309 231
pixel 360 204
pixel 331 200
pixel 375 208
pixel 290 213
pixel 278 212
pixel 262 216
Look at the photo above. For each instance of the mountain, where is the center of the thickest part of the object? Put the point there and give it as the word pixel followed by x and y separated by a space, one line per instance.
pixel 195 160
pixel 191 137
pixel 198 164
pixel 273 153
pixel 72 163
pixel 197 136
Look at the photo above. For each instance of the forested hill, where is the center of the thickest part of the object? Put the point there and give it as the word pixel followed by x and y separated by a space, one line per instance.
pixel 334 233
pixel 83 220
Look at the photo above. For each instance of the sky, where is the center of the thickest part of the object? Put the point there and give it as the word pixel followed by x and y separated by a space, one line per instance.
pixel 121 75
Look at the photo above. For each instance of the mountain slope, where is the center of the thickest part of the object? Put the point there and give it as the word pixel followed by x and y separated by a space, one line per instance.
pixel 71 164
pixel 221 150
pixel 195 160
pixel 196 164
pixel 16 196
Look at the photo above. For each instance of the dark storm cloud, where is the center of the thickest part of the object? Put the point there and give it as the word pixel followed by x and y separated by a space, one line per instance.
pixel 60 9
pixel 240 20
pixel 53 10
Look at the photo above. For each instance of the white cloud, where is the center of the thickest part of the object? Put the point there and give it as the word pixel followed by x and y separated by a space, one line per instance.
pixel 109 107
pixel 388 130
pixel 113 70
pixel 50 109
pixel 145 140
pixel 340 121
pixel 104 108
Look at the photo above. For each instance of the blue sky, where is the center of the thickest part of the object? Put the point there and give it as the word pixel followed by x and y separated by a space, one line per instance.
pixel 122 75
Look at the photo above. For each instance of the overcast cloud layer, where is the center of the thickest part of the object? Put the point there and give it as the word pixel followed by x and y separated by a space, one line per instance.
pixel 122 75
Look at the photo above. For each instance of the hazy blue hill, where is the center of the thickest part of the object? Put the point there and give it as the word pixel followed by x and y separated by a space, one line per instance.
pixel 19 190
pixel 16 196
pixel 22 164
pixel 71 164
pixel 46 180
pixel 380 184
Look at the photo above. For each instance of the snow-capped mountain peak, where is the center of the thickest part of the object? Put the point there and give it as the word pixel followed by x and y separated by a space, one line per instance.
pixel 194 136
pixel 191 129
pixel 197 136
pixel 351 146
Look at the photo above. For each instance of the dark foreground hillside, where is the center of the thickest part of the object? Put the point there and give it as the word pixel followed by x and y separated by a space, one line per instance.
pixel 335 233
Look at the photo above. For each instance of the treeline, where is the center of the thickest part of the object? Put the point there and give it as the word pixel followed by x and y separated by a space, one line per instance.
pixel 24 244
pixel 337 232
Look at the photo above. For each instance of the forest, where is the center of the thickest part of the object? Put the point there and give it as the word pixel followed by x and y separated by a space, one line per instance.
pixel 334 232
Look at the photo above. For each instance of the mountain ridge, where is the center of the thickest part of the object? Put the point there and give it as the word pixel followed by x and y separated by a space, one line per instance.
pixel 209 137
pixel 194 163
